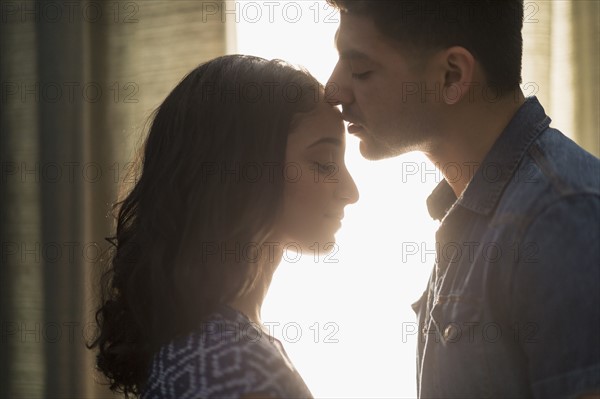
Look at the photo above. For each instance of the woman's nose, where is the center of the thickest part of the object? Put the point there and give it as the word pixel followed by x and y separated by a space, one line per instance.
pixel 346 189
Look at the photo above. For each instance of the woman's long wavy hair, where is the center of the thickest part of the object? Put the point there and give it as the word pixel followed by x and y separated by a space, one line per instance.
pixel 209 181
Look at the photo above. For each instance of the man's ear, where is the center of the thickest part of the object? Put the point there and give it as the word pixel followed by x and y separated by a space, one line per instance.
pixel 459 66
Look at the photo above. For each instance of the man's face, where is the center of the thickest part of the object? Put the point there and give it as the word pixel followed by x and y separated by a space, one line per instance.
pixel 382 91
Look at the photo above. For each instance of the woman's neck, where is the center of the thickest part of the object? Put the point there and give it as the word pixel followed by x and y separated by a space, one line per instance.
pixel 250 302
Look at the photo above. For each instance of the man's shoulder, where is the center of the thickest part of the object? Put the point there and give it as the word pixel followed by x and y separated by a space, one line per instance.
pixel 554 173
pixel 565 165
pixel 553 168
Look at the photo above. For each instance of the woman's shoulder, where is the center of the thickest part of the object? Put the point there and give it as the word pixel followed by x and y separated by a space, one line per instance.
pixel 226 356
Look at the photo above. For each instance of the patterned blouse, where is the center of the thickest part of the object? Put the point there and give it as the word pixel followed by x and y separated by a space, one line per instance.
pixel 227 357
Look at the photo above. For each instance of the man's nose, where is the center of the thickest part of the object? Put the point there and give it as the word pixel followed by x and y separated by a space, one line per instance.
pixel 338 90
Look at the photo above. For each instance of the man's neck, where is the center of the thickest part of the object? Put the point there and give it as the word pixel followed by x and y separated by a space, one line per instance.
pixel 462 149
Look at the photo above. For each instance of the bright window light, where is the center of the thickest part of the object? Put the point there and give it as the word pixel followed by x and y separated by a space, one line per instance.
pixel 345 320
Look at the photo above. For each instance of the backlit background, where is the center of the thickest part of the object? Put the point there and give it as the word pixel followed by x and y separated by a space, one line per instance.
pixel 78 82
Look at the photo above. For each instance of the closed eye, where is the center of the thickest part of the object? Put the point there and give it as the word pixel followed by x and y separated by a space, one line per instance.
pixel 361 76
pixel 329 167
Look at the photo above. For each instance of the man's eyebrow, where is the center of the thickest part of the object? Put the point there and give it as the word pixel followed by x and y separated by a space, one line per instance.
pixel 353 55
pixel 347 54
pixel 326 140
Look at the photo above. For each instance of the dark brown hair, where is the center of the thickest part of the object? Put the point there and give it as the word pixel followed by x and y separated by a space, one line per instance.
pixel 489 29
pixel 161 279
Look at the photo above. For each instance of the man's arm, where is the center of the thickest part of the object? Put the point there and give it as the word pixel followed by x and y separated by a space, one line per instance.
pixel 558 290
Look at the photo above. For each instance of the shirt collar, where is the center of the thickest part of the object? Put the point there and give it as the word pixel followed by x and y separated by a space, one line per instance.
pixel 498 167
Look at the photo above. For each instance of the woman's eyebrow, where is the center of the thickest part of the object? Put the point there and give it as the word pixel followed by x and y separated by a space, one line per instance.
pixel 326 140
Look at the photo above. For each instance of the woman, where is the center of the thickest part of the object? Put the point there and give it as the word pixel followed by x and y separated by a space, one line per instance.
pixel 243 159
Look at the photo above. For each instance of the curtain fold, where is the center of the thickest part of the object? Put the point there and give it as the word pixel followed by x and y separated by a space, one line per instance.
pixel 586 82
pixel 79 81
pixel 561 65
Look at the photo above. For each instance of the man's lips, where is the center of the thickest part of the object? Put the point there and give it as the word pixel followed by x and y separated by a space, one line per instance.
pixel 354 128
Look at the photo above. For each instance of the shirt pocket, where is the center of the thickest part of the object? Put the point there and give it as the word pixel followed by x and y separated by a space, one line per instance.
pixel 459 328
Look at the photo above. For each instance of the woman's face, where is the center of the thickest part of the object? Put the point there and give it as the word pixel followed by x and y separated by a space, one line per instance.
pixel 317 183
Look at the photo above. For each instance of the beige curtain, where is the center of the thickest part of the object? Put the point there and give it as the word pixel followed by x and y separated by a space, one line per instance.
pixel 561 65
pixel 75 95
pixel 78 82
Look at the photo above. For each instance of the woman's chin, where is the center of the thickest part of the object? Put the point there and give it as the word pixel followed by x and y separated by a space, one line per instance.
pixel 322 246
pixel 317 246
pixel 329 247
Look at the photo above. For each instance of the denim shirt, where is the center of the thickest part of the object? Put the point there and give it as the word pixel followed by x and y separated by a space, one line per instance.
pixel 512 307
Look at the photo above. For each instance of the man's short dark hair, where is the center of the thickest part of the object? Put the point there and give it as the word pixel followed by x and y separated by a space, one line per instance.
pixel 489 29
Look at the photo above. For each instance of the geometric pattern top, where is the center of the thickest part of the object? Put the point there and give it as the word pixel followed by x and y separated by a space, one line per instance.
pixel 226 357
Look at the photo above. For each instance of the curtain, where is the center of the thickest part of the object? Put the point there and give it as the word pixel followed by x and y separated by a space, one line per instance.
pixel 78 81
pixel 561 65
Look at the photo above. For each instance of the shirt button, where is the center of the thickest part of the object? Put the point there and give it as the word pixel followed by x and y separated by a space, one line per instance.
pixel 449 331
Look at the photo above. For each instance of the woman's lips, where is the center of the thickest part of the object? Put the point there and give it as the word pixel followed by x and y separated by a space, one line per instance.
pixel 337 218
pixel 334 221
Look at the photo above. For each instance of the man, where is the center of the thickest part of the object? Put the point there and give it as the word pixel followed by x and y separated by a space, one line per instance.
pixel 512 305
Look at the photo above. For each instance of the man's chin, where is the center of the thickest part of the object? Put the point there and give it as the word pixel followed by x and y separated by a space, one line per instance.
pixel 374 153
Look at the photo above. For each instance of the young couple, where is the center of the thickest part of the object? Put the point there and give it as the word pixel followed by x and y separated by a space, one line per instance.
pixel 511 309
